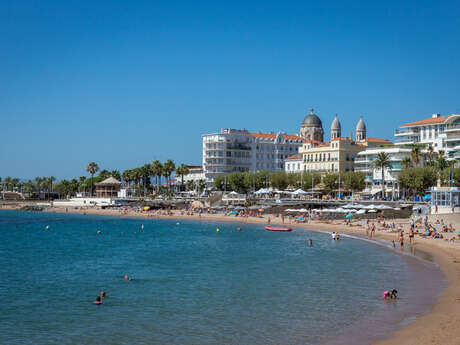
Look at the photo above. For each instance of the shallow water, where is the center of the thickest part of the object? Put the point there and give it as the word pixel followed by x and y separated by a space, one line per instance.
pixel 193 285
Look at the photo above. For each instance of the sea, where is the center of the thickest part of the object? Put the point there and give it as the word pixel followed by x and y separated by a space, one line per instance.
pixel 192 284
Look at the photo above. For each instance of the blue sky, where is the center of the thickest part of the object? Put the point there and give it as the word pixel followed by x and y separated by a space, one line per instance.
pixel 124 83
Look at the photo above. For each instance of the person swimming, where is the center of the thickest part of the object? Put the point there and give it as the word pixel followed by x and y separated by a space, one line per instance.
pixel 98 300
pixel 390 294
pixel 127 277
pixel 102 294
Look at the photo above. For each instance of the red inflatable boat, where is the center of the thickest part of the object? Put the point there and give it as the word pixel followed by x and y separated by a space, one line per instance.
pixel 277 228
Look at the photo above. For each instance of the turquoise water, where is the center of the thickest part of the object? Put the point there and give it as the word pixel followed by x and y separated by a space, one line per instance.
pixel 193 285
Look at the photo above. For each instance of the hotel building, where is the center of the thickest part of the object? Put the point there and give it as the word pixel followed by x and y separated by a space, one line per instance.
pixel 234 150
pixel 441 132
pixel 337 155
pixel 364 162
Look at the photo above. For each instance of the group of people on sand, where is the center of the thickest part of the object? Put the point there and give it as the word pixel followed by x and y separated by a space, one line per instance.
pixel 103 295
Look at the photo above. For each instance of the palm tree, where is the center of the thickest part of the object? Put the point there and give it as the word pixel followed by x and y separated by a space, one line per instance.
pixel 182 170
pixel 146 172
pixel 92 168
pixel 430 154
pixel 416 153
pixel 7 183
pixel 201 185
pixel 50 181
pixel 136 176
pixel 169 167
pixel 442 162
pixel 81 182
pixel 104 174
pixel 116 174
pixel 38 184
pixel 406 162
pixel 157 169
pixel 127 176
pixel 381 162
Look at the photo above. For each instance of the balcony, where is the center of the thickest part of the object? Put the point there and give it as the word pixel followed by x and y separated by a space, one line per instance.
pixel 452 128
pixel 405 132
pixel 406 141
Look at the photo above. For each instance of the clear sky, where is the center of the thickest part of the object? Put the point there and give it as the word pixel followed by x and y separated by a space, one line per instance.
pixel 125 82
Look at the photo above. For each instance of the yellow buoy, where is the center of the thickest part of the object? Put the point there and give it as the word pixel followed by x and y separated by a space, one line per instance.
pixel 47 227
pixel 217 230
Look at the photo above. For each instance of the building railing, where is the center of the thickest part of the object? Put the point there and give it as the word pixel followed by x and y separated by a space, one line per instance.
pixel 455 126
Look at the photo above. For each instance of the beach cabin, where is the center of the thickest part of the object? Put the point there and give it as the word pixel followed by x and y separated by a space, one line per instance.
pixel 445 199
pixel 108 188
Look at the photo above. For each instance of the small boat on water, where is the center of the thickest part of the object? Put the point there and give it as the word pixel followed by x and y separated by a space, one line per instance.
pixel 277 228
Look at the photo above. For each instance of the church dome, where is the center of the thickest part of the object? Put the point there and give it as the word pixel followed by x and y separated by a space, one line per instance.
pixel 361 126
pixel 312 120
pixel 336 124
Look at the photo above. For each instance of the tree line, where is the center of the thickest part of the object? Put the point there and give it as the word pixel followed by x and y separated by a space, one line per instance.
pixel 139 178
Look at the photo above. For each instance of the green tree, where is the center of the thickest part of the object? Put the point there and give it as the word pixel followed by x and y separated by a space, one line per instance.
pixel 237 182
pixel 157 169
pixel 418 180
pixel 279 180
pixel 168 169
pixel 430 154
pixel 50 181
pixel 104 174
pixel 191 185
pixel 201 185
pixel 92 168
pixel 406 162
pixel 182 170
pixel 382 162
pixel 116 174
pixel 442 163
pixel 331 182
pixel 219 182
pixel 354 181
pixel 416 153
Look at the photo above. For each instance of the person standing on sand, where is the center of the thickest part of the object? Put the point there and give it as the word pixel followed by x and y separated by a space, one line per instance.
pixel 411 236
pixel 401 240
pixel 268 221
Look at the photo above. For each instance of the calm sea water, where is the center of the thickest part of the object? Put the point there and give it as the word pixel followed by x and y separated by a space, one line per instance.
pixel 193 285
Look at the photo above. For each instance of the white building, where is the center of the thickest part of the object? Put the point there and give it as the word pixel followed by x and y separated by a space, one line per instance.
pixel 240 150
pixel 441 132
pixel 195 174
pixel 293 164
pixel 364 163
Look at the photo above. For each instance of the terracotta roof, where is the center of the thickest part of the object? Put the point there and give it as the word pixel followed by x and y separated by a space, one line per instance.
pixel 294 157
pixel 273 136
pixel 430 121
pixel 378 140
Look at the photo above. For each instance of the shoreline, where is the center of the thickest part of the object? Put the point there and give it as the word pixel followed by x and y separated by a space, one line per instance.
pixel 438 326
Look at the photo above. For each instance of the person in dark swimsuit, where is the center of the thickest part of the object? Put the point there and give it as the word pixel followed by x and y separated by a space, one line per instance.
pixel 98 300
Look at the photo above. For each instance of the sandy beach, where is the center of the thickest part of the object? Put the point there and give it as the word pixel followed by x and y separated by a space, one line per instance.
pixel 439 326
